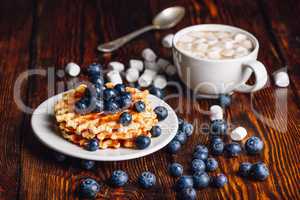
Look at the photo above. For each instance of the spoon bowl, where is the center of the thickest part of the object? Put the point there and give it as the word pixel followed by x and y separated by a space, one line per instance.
pixel 169 17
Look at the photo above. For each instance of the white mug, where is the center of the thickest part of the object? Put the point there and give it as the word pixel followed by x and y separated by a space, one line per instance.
pixel 209 78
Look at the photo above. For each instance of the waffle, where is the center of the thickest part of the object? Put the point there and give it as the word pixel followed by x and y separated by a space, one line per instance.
pixel 80 128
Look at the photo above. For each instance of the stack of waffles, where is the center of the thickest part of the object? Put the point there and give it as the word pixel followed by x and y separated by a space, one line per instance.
pixel 80 128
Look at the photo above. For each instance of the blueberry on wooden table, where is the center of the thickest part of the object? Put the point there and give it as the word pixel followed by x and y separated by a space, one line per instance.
pixel 173 147
pixel 87 164
pixel 201 148
pixel 254 145
pixel 119 178
pixel 125 118
pixel 188 194
pixel 184 182
pixel 198 165
pixel 259 171
pixel 233 149
pixel 175 169
pixel 155 131
pixel 220 180
pixel 201 152
pixel 217 146
pixel 89 188
pixel 211 164
pixel 161 113
pixel 181 137
pixel 224 100
pixel 187 128
pixel 218 127
pixel 92 145
pixel 201 180
pixel 139 106
pixel 156 92
pixel 142 142
pixel 244 169
pixel 147 180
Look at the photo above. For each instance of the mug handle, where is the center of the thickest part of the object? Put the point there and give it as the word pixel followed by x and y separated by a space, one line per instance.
pixel 260 74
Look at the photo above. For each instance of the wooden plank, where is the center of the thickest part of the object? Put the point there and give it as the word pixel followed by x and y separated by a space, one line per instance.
pixel 14 41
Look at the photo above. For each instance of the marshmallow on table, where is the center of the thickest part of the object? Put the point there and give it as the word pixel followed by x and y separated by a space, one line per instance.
pixel 167 41
pixel 216 112
pixel 170 70
pixel 146 78
pixel 238 134
pixel 132 75
pixel 281 79
pixel 72 69
pixel 114 77
pixel 136 64
pixel 160 81
pixel 116 66
pixel 149 55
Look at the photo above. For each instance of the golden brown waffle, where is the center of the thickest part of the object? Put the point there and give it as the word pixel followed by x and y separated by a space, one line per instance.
pixel 79 129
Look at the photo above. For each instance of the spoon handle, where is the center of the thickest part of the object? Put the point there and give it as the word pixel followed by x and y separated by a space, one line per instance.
pixel 115 44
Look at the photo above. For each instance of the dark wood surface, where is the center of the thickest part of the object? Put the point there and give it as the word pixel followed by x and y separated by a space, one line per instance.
pixel 41 34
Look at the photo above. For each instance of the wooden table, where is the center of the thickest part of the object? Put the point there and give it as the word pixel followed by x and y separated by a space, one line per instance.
pixel 41 34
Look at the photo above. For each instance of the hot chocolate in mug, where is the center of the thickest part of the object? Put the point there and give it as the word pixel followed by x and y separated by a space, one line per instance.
pixel 211 77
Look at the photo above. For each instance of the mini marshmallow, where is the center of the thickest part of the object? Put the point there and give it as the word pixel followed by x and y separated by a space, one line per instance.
pixel 72 69
pixel 212 41
pixel 240 52
pixel 228 44
pixel 186 39
pixel 160 82
pixel 132 75
pixel 214 55
pixel 201 47
pixel 247 44
pixel 281 79
pixel 170 70
pixel 136 64
pixel 149 55
pixel 114 77
pixel 167 41
pixel 228 52
pixel 146 78
pixel 240 37
pixel 162 63
pixel 116 66
pixel 151 65
pixel 238 134
pixel 216 112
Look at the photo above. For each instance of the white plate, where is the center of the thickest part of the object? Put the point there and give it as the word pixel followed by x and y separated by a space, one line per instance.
pixel 44 127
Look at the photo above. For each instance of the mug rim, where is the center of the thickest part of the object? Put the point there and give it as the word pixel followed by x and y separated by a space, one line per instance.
pixel 190 28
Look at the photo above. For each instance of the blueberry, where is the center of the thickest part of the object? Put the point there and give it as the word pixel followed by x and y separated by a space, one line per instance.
pixel 218 127
pixel 217 147
pixel 173 147
pixel 111 106
pixel 184 182
pixel 200 155
pixel 211 164
pixel 215 139
pixel 259 171
pixel 59 157
pixel 124 101
pixel 99 105
pixel 161 113
pixel 201 148
pixel 244 169
pixel 147 180
pixel 155 131
pixel 125 118
pixel 97 81
pixel 94 69
pixel 254 145
pixel 139 106
pixel 99 92
pixel 198 165
pixel 119 178
pixel 220 180
pixel 180 121
pixel 187 128
pixel 175 169
pixel 142 142
pixel 89 188
pixel 233 149
pixel 224 100
pixel 126 95
pixel 109 93
pixel 120 88
pixel 156 92
pixel 87 164
pixel 81 106
pixel 201 180
pixel 188 194
pixel 181 137
pixel 92 145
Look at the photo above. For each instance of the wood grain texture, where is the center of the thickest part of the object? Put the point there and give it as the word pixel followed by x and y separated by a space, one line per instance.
pixel 49 34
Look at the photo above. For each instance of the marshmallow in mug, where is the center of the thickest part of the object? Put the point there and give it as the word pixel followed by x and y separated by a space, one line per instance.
pixel 114 77
pixel 149 55
pixel 72 69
